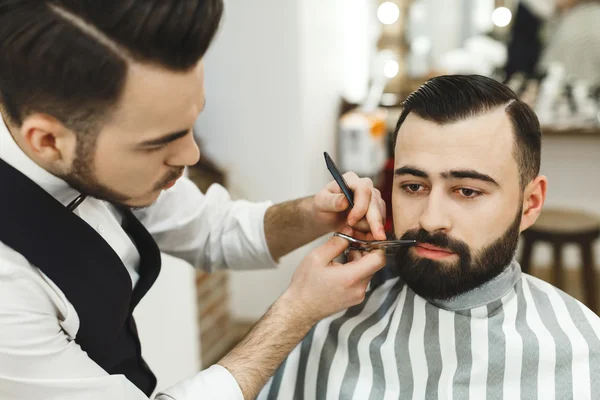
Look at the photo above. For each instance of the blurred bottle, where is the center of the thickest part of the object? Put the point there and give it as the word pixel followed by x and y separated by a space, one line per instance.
pixel 586 107
pixel 530 93
pixel 362 141
pixel 363 146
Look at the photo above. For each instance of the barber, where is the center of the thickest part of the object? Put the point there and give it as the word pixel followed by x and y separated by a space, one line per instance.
pixel 97 101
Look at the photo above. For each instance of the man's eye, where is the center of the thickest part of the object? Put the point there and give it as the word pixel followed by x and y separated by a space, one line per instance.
pixel 412 188
pixel 469 193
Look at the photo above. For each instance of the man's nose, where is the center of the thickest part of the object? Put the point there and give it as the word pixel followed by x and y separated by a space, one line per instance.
pixel 435 217
pixel 185 152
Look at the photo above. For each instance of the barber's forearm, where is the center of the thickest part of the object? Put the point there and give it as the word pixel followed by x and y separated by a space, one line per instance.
pixel 259 354
pixel 291 225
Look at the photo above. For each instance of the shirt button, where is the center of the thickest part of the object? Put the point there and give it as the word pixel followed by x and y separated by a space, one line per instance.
pixel 100 229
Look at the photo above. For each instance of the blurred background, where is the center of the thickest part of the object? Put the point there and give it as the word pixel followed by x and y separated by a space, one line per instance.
pixel 288 80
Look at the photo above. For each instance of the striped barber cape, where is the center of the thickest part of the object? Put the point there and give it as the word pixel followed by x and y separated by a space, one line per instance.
pixel 515 337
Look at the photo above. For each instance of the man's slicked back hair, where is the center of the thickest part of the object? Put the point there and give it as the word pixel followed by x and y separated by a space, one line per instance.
pixel 451 98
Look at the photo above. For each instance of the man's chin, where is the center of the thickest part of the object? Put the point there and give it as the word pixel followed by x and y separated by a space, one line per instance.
pixel 140 204
pixel 435 279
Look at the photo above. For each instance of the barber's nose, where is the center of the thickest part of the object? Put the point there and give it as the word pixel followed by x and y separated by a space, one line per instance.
pixel 186 153
pixel 435 217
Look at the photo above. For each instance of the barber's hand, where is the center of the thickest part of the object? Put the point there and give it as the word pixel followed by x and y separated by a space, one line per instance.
pixel 331 208
pixel 321 287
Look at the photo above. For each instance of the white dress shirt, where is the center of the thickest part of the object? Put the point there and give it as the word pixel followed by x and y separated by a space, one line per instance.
pixel 39 358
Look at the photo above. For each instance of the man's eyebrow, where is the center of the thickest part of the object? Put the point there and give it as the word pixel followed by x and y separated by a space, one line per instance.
pixel 408 170
pixel 168 138
pixel 470 174
pixel 452 174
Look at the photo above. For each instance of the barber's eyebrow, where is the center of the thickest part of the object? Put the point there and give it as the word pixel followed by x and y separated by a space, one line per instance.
pixel 452 174
pixel 168 138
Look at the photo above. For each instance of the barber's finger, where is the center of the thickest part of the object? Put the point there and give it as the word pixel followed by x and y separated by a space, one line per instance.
pixel 361 235
pixel 367 265
pixel 377 212
pixel 362 226
pixel 354 255
pixel 350 177
pixel 331 202
pixel 362 200
pixel 375 218
pixel 368 279
pixel 331 249
pixel 333 187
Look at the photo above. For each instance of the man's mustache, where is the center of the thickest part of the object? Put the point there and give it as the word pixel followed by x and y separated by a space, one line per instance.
pixel 175 174
pixel 437 239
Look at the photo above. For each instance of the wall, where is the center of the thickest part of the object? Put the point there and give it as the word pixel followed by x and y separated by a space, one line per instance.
pixel 273 85
pixel 360 30
pixel 322 80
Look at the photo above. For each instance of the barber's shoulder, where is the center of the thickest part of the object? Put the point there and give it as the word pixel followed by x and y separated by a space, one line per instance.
pixel 13 264
pixel 23 286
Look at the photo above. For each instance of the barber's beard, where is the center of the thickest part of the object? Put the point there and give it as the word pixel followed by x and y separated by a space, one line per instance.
pixel 433 279
pixel 82 178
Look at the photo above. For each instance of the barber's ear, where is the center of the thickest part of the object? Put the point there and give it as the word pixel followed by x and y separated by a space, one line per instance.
pixel 48 141
pixel 533 201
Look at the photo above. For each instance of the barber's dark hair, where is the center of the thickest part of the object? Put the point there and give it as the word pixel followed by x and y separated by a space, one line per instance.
pixel 69 58
pixel 451 98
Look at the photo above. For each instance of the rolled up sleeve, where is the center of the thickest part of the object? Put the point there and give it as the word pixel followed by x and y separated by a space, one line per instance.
pixel 210 231
pixel 215 383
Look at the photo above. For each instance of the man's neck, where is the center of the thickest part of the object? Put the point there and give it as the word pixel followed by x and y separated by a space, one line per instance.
pixel 487 293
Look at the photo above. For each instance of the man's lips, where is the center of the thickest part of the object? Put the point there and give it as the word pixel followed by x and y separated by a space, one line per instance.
pixel 433 248
pixel 431 251
pixel 171 183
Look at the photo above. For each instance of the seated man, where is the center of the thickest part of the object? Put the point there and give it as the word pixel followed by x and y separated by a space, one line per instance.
pixel 460 320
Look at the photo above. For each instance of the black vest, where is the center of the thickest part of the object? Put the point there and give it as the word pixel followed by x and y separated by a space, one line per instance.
pixel 88 271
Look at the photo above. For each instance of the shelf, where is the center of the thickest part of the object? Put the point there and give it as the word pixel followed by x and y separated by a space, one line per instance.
pixel 586 132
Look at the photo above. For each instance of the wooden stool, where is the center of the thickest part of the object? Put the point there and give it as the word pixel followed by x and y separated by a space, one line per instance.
pixel 559 228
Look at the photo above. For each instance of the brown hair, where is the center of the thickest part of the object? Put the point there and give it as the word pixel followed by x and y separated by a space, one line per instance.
pixel 450 98
pixel 69 58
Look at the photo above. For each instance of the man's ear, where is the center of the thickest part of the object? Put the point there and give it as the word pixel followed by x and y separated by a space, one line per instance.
pixel 47 141
pixel 534 197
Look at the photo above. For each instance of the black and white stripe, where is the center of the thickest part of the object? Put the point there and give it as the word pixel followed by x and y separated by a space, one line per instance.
pixel 533 342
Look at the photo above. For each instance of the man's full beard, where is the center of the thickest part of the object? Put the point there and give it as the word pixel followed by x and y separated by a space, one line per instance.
pixel 434 279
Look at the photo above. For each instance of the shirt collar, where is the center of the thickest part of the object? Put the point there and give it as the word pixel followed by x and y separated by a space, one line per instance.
pixel 485 294
pixel 12 154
